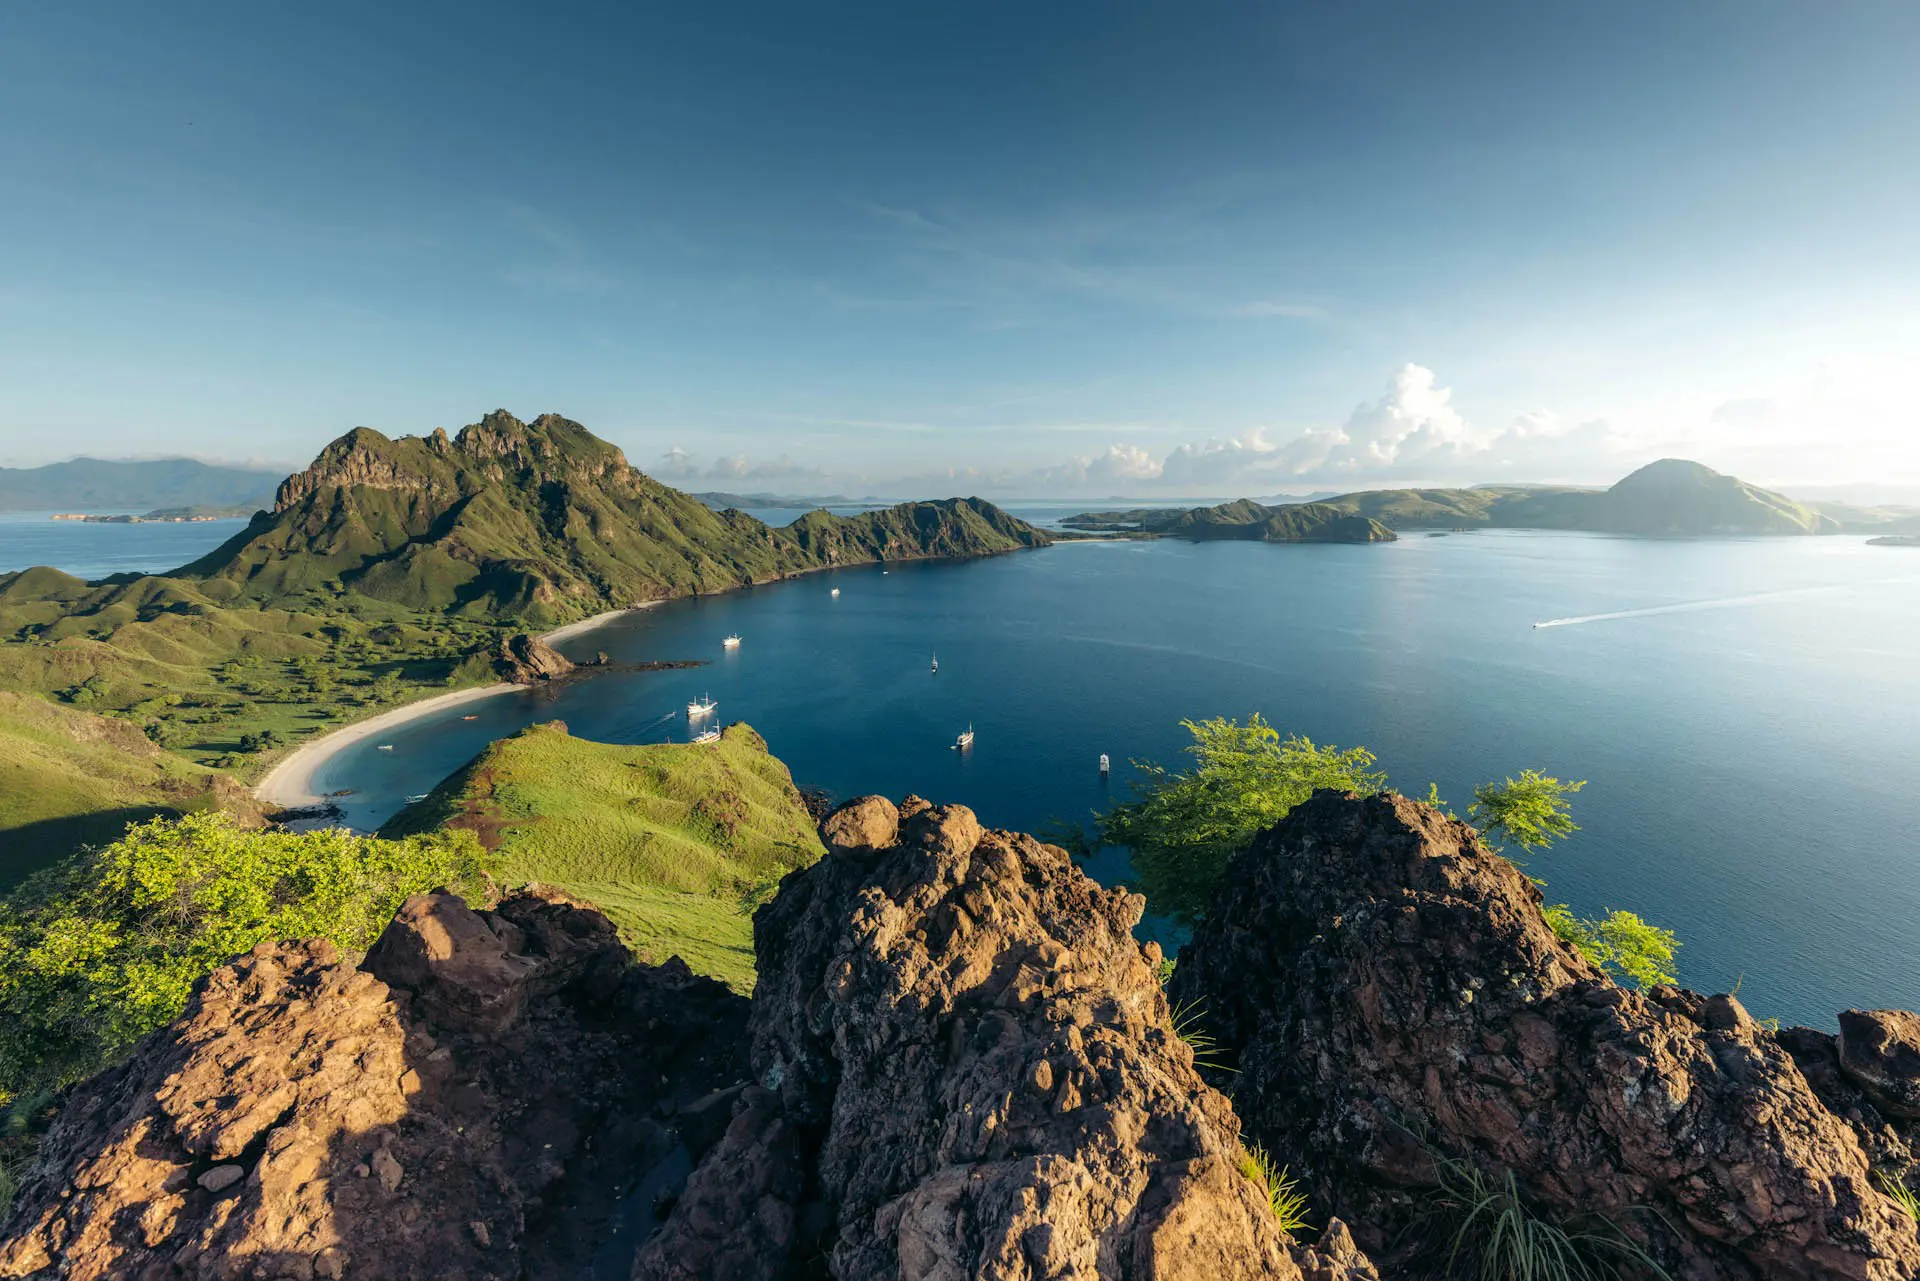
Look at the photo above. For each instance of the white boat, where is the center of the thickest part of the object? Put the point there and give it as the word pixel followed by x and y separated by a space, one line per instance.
pixel 415 800
pixel 836 591
pixel 936 664
pixel 1103 762
pixel 707 736
pixel 384 747
pixel 731 642
pixel 702 706
pixel 965 741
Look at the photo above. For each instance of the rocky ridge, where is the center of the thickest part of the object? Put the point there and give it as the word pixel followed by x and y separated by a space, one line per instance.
pixel 1407 1027
pixel 960 1063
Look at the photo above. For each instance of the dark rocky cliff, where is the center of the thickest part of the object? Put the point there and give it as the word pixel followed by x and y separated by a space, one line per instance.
pixel 1403 1022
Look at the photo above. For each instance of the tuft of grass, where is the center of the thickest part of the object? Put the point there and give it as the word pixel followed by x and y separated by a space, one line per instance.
pixel 1189 1024
pixel 1283 1194
pixel 1902 1195
pixel 1497 1237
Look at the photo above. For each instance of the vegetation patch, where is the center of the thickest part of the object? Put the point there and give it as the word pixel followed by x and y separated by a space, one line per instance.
pixel 676 843
pixel 104 948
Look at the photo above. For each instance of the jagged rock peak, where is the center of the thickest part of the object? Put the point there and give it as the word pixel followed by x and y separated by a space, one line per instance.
pixel 1403 1019
pixel 495 448
pixel 965 1068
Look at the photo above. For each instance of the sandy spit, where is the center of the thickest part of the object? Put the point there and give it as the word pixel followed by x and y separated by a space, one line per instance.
pixel 289 784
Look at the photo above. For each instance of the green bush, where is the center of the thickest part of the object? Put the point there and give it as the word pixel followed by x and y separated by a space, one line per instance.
pixel 100 950
pixel 1183 829
pixel 1283 1194
pixel 1620 943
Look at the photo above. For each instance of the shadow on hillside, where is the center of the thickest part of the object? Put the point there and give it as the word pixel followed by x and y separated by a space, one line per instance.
pixel 30 847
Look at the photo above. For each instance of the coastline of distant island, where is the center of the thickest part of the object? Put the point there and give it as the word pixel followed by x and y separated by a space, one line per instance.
pixel 164 515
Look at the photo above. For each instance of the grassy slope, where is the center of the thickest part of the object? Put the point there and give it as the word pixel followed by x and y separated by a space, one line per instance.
pixel 69 778
pixel 675 843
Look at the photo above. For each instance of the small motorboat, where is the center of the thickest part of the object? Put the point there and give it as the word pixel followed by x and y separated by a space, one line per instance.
pixel 384 747
pixel 965 741
pixel 731 642
pixel 469 718
pixel 702 706
pixel 415 800
pixel 936 664
pixel 1103 764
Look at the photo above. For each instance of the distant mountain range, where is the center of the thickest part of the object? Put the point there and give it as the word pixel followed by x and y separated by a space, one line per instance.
pixel 544 521
pixel 95 484
pixel 1669 497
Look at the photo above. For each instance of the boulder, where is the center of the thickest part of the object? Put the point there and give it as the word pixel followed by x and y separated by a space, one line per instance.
pixel 308 1118
pixel 1409 1032
pixel 965 1068
pixel 863 823
pixel 528 660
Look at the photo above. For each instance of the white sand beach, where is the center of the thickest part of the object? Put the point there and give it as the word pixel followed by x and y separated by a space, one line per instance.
pixel 289 784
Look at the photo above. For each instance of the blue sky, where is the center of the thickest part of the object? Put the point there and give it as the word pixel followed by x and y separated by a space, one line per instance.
pixel 1014 248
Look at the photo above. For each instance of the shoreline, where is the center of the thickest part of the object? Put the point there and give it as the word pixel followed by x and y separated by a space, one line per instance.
pixel 289 784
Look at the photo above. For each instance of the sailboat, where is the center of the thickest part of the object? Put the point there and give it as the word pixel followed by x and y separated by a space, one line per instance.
pixel 731 642
pixel 836 591
pixel 702 706
pixel 936 664
pixel 965 741
pixel 707 736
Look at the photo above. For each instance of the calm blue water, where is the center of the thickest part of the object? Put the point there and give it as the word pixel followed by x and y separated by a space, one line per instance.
pixel 1752 753
pixel 94 551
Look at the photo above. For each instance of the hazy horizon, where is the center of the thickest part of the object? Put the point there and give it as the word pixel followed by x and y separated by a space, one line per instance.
pixel 1075 251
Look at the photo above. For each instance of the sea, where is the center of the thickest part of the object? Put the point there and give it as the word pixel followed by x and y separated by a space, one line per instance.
pixel 1745 712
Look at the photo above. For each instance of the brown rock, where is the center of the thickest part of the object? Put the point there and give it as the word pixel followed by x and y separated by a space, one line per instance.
pixel 1880 1052
pixel 528 660
pixel 862 824
pixel 966 1068
pixel 404 1131
pixel 1391 992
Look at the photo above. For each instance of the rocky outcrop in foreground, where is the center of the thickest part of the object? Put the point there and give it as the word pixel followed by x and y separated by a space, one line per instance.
pixel 964 1068
pixel 1410 1032
pixel 959 1063
pixel 482 1099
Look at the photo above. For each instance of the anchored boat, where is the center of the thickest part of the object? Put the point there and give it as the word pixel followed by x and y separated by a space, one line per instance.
pixel 732 642
pixel 702 706
pixel 707 736
pixel 936 664
pixel 965 741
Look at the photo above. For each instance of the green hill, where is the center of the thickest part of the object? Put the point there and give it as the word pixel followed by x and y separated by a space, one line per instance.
pixel 1243 519
pixel 1669 497
pixel 68 778
pixel 544 522
pixel 676 843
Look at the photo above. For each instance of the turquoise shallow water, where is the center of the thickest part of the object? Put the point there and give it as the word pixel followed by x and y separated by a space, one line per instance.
pixel 1752 742
pixel 1750 727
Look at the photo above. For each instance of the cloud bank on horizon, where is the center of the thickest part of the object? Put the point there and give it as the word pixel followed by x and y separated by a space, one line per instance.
pixel 1411 434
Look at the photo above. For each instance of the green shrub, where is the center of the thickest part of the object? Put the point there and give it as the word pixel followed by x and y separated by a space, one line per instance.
pixel 1530 811
pixel 102 949
pixel 1183 829
pixel 1620 943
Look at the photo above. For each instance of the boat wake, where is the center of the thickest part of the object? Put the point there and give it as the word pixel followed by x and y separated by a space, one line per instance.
pixel 1720 602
